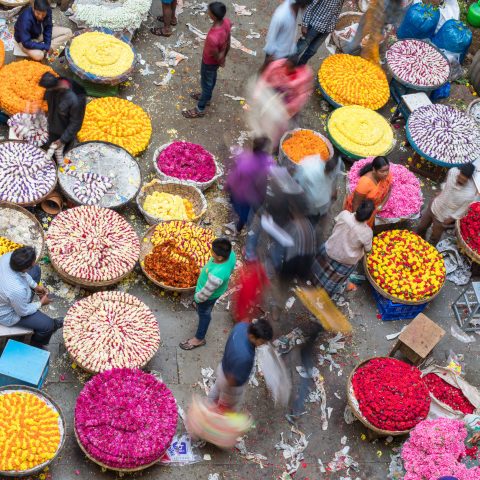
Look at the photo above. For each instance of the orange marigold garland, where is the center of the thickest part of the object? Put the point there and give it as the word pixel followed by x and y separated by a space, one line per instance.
pixel 19 89
pixel 2 54
pixel 304 143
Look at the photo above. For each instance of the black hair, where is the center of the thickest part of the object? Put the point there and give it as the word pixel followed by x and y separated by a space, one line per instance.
pixel 22 259
pixel 48 80
pixel 331 164
pixel 261 329
pixel 376 164
pixel 222 247
pixel 41 5
pixel 364 211
pixel 467 169
pixel 260 144
pixel 218 10
pixel 293 59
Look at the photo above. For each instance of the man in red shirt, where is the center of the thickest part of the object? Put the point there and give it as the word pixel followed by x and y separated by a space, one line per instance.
pixel 217 45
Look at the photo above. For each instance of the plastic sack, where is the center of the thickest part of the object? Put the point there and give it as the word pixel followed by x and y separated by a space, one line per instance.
pixel 420 22
pixel 442 92
pixel 454 36
pixel 342 37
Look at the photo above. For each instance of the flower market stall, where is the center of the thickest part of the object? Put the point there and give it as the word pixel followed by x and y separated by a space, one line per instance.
pixel 110 330
pixel 468 232
pixel 359 132
pixel 173 253
pixel 33 431
pixel 99 173
pixel 31 128
pixel 125 419
pixel 406 198
pixel 92 246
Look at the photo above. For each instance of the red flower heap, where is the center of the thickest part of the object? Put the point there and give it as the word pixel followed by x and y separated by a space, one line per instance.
pixel 391 394
pixel 448 394
pixel 470 227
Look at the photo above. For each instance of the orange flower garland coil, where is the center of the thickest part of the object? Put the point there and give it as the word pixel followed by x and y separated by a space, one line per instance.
pixel 19 89
pixel 29 431
pixel 304 143
pixel 2 54
pixel 351 80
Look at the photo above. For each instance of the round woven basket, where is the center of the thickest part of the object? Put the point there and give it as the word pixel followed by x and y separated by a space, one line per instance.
pixel 464 247
pixel 146 247
pixel 40 199
pixel 90 77
pixel 383 293
pixel 200 185
pixel 283 158
pixel 107 467
pixel 182 189
pixel 470 106
pixel 14 3
pixel 62 425
pixel 353 403
pixel 36 224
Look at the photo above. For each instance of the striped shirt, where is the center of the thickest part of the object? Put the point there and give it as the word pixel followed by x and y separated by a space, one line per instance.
pixel 15 294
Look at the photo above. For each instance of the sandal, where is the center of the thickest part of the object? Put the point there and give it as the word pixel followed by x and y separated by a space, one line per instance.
pixel 186 345
pixel 173 22
pixel 193 113
pixel 196 96
pixel 160 33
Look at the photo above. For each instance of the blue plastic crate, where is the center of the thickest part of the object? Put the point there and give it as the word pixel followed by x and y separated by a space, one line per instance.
pixel 22 364
pixel 396 311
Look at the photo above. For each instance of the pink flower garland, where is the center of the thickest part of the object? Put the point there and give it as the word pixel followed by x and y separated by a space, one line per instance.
pixel 125 418
pixel 187 161
pixel 406 197
pixel 434 450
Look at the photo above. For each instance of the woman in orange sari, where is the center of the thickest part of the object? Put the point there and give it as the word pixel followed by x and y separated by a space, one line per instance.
pixel 375 184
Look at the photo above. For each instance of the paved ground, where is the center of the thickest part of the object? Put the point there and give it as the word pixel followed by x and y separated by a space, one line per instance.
pixel 218 131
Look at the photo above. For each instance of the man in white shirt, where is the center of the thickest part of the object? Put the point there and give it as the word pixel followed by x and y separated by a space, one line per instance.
pixel 19 277
pixel 282 32
pixel 451 204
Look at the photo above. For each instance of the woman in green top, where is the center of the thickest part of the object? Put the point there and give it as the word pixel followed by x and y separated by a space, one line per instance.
pixel 211 285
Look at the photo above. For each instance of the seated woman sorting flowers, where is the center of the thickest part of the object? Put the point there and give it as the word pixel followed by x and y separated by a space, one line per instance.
pixel 19 281
pixel 375 184
pixel 35 34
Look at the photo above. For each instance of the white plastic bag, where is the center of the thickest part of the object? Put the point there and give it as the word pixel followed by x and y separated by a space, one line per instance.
pixel 275 374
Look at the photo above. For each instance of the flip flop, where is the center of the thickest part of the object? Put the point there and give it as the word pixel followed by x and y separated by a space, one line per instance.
pixel 193 113
pixel 188 346
pixel 173 22
pixel 160 33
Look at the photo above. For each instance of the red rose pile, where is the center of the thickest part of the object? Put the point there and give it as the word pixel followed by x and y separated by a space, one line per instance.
pixel 470 227
pixel 391 394
pixel 448 394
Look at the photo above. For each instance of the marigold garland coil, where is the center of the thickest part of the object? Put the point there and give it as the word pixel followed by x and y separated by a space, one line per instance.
pixel 19 89
pixel 7 246
pixel 101 54
pixel 2 53
pixel 117 121
pixel 304 143
pixel 166 206
pixel 405 266
pixel 351 80
pixel 29 431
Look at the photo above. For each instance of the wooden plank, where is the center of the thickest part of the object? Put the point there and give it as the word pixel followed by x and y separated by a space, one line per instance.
pixel 422 335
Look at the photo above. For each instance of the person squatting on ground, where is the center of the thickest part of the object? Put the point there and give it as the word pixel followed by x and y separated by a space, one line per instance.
pixel 19 282
pixel 215 50
pixel 211 285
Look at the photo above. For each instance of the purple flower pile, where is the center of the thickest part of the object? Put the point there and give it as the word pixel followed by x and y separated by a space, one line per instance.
pixel 125 418
pixel 187 161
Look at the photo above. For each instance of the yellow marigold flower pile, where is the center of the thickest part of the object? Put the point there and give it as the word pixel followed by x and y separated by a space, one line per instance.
pixel 304 143
pixel 406 266
pixel 350 80
pixel 29 431
pixel 19 89
pixel 360 131
pixel 7 245
pixel 168 207
pixel 101 54
pixel 117 121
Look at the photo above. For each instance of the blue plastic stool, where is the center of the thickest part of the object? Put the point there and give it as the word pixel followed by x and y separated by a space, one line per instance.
pixel 22 364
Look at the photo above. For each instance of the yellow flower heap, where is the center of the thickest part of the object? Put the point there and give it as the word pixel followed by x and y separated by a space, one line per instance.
pixel 360 131
pixel 117 121
pixel 29 431
pixel 7 245
pixel 406 266
pixel 351 80
pixel 168 207
pixel 101 54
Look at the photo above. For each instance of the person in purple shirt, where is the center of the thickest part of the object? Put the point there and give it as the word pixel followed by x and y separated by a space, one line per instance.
pixel 247 181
